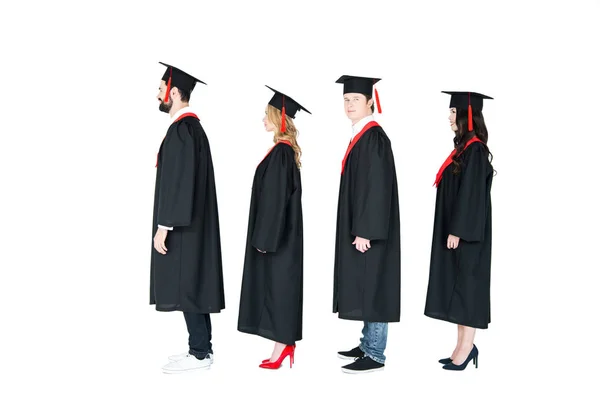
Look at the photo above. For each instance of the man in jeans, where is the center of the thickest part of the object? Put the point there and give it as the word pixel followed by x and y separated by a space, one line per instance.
pixel 367 252
pixel 186 272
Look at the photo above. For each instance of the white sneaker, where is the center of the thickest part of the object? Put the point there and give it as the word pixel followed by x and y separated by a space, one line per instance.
pixel 188 363
pixel 177 357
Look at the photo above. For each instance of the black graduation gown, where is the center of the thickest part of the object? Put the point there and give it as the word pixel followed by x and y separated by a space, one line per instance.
pixel 190 276
pixel 271 295
pixel 367 285
pixel 459 279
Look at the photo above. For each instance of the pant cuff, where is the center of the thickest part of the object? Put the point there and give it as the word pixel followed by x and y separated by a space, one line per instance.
pixel 200 354
pixel 374 358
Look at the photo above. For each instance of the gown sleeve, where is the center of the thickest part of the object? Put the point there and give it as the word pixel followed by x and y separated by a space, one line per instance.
pixel 469 209
pixel 272 201
pixel 178 171
pixel 372 194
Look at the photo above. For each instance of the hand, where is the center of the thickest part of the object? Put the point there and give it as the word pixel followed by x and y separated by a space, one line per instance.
pixel 361 244
pixel 453 241
pixel 159 240
pixel 261 251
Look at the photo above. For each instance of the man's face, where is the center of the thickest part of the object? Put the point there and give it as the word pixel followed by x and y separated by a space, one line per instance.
pixel 356 106
pixel 162 92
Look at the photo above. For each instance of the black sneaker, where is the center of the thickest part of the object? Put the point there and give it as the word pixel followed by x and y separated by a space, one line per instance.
pixel 351 354
pixel 363 365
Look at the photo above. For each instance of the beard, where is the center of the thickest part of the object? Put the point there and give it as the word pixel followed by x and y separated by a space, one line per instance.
pixel 165 107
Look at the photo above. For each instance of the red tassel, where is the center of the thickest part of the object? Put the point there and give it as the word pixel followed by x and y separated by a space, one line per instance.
pixel 283 119
pixel 169 86
pixel 470 118
pixel 377 101
pixel 470 114
pixel 168 90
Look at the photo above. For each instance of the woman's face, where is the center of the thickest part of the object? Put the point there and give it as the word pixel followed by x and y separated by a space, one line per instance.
pixel 269 127
pixel 452 119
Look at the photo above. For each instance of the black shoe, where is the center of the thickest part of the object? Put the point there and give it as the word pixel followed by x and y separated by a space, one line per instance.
pixel 363 365
pixel 351 354
pixel 445 360
pixel 473 355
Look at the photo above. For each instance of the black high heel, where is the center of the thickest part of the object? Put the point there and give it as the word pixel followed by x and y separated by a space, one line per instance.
pixel 473 355
pixel 445 361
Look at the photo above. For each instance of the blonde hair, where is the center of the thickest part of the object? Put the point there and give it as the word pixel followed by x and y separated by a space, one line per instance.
pixel 290 134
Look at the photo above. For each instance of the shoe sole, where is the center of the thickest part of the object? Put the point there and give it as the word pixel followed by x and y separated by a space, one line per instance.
pixel 345 357
pixel 349 371
pixel 166 371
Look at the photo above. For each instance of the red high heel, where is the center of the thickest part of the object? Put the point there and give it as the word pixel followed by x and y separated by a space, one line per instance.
pixel 287 351
pixel 269 360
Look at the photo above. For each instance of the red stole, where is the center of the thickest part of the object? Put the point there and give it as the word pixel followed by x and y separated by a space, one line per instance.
pixel 182 116
pixel 271 149
pixel 189 114
pixel 448 161
pixel 356 138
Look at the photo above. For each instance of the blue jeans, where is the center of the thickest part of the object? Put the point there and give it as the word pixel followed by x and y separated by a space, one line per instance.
pixel 374 340
pixel 200 331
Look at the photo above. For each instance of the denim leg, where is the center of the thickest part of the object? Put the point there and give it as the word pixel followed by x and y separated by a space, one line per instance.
pixel 364 335
pixel 200 335
pixel 209 331
pixel 374 340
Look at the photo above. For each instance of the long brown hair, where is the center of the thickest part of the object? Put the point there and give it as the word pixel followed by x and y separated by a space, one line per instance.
pixel 462 135
pixel 290 134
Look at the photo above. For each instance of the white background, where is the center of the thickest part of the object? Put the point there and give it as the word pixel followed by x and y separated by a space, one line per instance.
pixel 80 129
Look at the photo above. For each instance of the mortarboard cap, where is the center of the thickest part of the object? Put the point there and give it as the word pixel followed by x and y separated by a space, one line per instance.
pixel 467 101
pixel 174 77
pixel 359 84
pixel 286 105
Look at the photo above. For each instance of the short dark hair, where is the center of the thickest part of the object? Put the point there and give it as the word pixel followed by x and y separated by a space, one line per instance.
pixel 369 97
pixel 185 95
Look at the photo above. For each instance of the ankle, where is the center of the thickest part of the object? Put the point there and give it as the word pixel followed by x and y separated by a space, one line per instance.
pixel 278 346
pixel 465 347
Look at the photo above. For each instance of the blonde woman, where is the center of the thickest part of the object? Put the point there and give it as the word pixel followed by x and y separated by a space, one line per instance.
pixel 271 297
